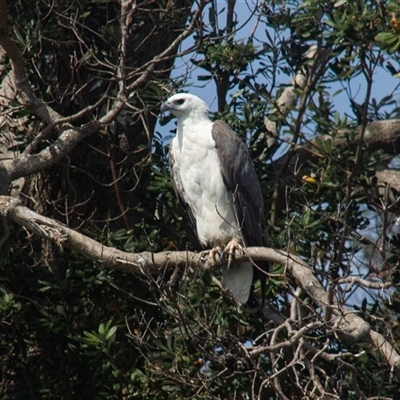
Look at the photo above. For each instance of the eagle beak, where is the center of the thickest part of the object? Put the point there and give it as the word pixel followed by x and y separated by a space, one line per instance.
pixel 164 107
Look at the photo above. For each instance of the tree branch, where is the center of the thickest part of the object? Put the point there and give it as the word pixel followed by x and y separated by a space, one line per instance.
pixel 21 81
pixel 379 135
pixel 28 164
pixel 390 177
pixel 346 324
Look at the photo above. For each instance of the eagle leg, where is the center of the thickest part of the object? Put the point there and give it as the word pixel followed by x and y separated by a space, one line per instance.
pixel 230 249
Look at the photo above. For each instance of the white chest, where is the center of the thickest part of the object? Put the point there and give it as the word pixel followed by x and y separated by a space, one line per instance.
pixel 197 161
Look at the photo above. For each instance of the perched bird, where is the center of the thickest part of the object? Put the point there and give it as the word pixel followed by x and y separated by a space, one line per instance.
pixel 215 181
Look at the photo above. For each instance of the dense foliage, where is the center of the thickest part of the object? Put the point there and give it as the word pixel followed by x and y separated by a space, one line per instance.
pixel 70 328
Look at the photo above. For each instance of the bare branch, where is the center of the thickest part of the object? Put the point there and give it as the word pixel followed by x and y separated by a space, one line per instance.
pixel 28 98
pixel 363 282
pixel 347 325
pixel 141 263
pixel 28 164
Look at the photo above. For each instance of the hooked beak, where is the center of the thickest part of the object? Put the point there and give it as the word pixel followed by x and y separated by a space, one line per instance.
pixel 164 107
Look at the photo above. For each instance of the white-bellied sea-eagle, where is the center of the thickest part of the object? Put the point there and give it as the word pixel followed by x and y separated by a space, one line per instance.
pixel 214 178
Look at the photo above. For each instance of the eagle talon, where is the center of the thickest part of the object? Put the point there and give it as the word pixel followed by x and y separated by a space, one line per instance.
pixel 231 248
pixel 231 259
pixel 203 255
pixel 212 255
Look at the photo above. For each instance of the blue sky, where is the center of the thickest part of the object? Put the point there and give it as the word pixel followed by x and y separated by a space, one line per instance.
pixel 384 83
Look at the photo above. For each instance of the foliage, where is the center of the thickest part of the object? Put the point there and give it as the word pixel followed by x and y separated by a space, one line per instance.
pixel 70 328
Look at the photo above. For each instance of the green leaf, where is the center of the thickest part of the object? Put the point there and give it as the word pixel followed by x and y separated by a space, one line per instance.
pixel 340 3
pixel 111 332
pixel 393 7
pixel 91 338
pixel 386 36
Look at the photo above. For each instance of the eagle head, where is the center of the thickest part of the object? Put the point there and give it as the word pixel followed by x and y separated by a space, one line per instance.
pixel 184 105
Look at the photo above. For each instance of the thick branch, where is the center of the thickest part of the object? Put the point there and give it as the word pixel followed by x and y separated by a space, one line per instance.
pixel 390 177
pixel 387 352
pixel 28 164
pixel 380 135
pixel 346 324
pixel 140 263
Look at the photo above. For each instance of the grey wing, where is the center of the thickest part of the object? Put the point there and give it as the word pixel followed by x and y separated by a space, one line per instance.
pixel 241 180
pixel 178 187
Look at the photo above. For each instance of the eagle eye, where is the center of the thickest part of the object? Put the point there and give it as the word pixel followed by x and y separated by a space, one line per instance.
pixel 179 101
